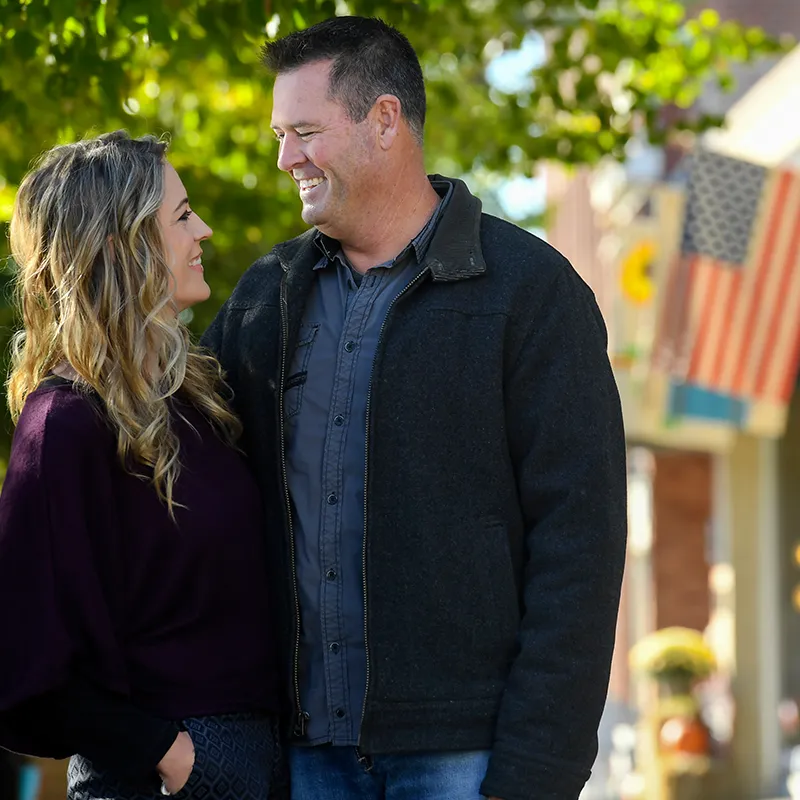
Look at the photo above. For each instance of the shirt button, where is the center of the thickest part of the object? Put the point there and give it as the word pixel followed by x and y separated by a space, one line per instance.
pixel 331 574
pixel 349 346
pixel 333 499
pixel 334 647
pixel 339 713
pixel 338 420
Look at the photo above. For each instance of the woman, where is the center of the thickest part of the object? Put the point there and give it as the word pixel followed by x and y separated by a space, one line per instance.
pixel 133 591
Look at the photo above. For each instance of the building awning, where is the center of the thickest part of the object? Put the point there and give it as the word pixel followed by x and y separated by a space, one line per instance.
pixel 764 126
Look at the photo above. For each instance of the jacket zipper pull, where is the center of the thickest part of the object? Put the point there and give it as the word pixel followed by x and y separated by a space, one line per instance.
pixel 301 724
pixel 364 760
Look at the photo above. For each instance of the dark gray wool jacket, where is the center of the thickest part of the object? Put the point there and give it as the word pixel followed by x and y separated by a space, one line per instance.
pixel 495 497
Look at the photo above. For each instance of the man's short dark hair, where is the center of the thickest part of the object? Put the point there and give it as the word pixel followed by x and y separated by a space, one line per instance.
pixel 370 58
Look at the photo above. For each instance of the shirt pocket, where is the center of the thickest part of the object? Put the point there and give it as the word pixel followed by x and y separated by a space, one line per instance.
pixel 296 381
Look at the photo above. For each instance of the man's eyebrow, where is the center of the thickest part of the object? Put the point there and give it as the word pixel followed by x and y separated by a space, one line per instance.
pixel 184 202
pixel 294 127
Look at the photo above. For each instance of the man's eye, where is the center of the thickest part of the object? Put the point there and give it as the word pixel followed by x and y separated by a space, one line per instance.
pixel 305 134
pixel 279 136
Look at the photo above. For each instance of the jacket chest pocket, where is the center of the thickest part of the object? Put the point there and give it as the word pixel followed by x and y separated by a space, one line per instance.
pixel 298 373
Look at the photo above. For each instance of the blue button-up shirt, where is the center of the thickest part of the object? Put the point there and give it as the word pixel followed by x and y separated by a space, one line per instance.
pixel 326 404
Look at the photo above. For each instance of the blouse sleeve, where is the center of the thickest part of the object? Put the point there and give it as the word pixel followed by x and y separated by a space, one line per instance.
pixel 82 717
pixel 57 604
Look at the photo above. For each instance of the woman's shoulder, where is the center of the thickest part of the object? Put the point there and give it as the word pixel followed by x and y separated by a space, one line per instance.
pixel 60 432
pixel 57 411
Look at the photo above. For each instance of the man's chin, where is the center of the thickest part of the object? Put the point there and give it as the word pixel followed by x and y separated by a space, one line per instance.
pixel 312 215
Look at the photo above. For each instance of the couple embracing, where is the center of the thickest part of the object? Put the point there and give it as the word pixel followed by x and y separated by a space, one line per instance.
pixel 367 541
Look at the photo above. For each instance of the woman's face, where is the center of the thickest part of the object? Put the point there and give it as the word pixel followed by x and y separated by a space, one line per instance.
pixel 183 231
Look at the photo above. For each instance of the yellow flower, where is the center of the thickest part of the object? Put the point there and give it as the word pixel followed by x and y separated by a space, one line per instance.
pixel 636 281
pixel 673 651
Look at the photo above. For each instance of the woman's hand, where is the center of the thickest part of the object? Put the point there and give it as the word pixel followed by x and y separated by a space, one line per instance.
pixel 176 766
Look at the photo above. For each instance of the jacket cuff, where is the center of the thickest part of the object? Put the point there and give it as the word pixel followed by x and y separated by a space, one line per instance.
pixel 532 778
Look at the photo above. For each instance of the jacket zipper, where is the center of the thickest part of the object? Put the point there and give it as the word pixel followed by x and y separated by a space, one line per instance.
pixel 301 718
pixel 407 289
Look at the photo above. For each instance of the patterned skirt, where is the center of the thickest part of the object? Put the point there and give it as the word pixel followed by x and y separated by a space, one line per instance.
pixel 237 757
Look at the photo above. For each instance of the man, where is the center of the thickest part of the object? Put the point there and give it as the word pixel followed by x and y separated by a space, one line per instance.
pixel 449 460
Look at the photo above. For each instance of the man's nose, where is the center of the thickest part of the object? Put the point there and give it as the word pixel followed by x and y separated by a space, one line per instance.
pixel 290 155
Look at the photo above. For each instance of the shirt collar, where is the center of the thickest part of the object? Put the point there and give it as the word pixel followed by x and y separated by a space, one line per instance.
pixel 332 250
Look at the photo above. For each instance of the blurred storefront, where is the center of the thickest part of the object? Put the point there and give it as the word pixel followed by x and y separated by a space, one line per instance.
pixel 708 381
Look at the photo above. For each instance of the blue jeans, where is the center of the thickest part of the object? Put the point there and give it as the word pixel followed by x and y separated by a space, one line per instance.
pixel 337 773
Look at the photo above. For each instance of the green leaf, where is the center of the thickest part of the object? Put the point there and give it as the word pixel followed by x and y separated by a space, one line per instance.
pixel 700 50
pixel 672 13
pixel 709 18
pixel 25 45
pixel 100 20
pixel 73 26
pixel 158 27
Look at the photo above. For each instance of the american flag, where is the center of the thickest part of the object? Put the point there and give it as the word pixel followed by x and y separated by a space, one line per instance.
pixel 729 332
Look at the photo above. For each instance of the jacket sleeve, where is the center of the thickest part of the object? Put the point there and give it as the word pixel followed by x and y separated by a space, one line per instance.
pixel 217 341
pixel 63 680
pixel 567 442
pixel 212 338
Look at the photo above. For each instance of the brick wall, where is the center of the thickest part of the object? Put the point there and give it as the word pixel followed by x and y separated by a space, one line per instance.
pixel 681 519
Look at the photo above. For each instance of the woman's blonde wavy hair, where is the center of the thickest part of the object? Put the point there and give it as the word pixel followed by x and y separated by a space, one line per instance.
pixel 94 291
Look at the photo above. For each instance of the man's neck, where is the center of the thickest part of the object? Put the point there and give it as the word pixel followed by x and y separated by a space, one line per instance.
pixel 386 233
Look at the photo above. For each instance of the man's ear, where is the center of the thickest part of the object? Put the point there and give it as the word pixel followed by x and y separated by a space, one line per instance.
pixel 389 118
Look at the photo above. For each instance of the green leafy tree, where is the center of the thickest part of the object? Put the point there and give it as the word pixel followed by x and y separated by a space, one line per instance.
pixel 190 68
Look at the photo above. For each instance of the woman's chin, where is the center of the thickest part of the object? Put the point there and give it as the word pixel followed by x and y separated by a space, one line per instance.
pixel 199 296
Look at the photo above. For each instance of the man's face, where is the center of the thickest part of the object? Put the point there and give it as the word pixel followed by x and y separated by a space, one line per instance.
pixel 331 158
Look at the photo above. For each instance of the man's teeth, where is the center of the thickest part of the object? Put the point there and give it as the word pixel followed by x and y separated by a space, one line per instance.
pixel 310 183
